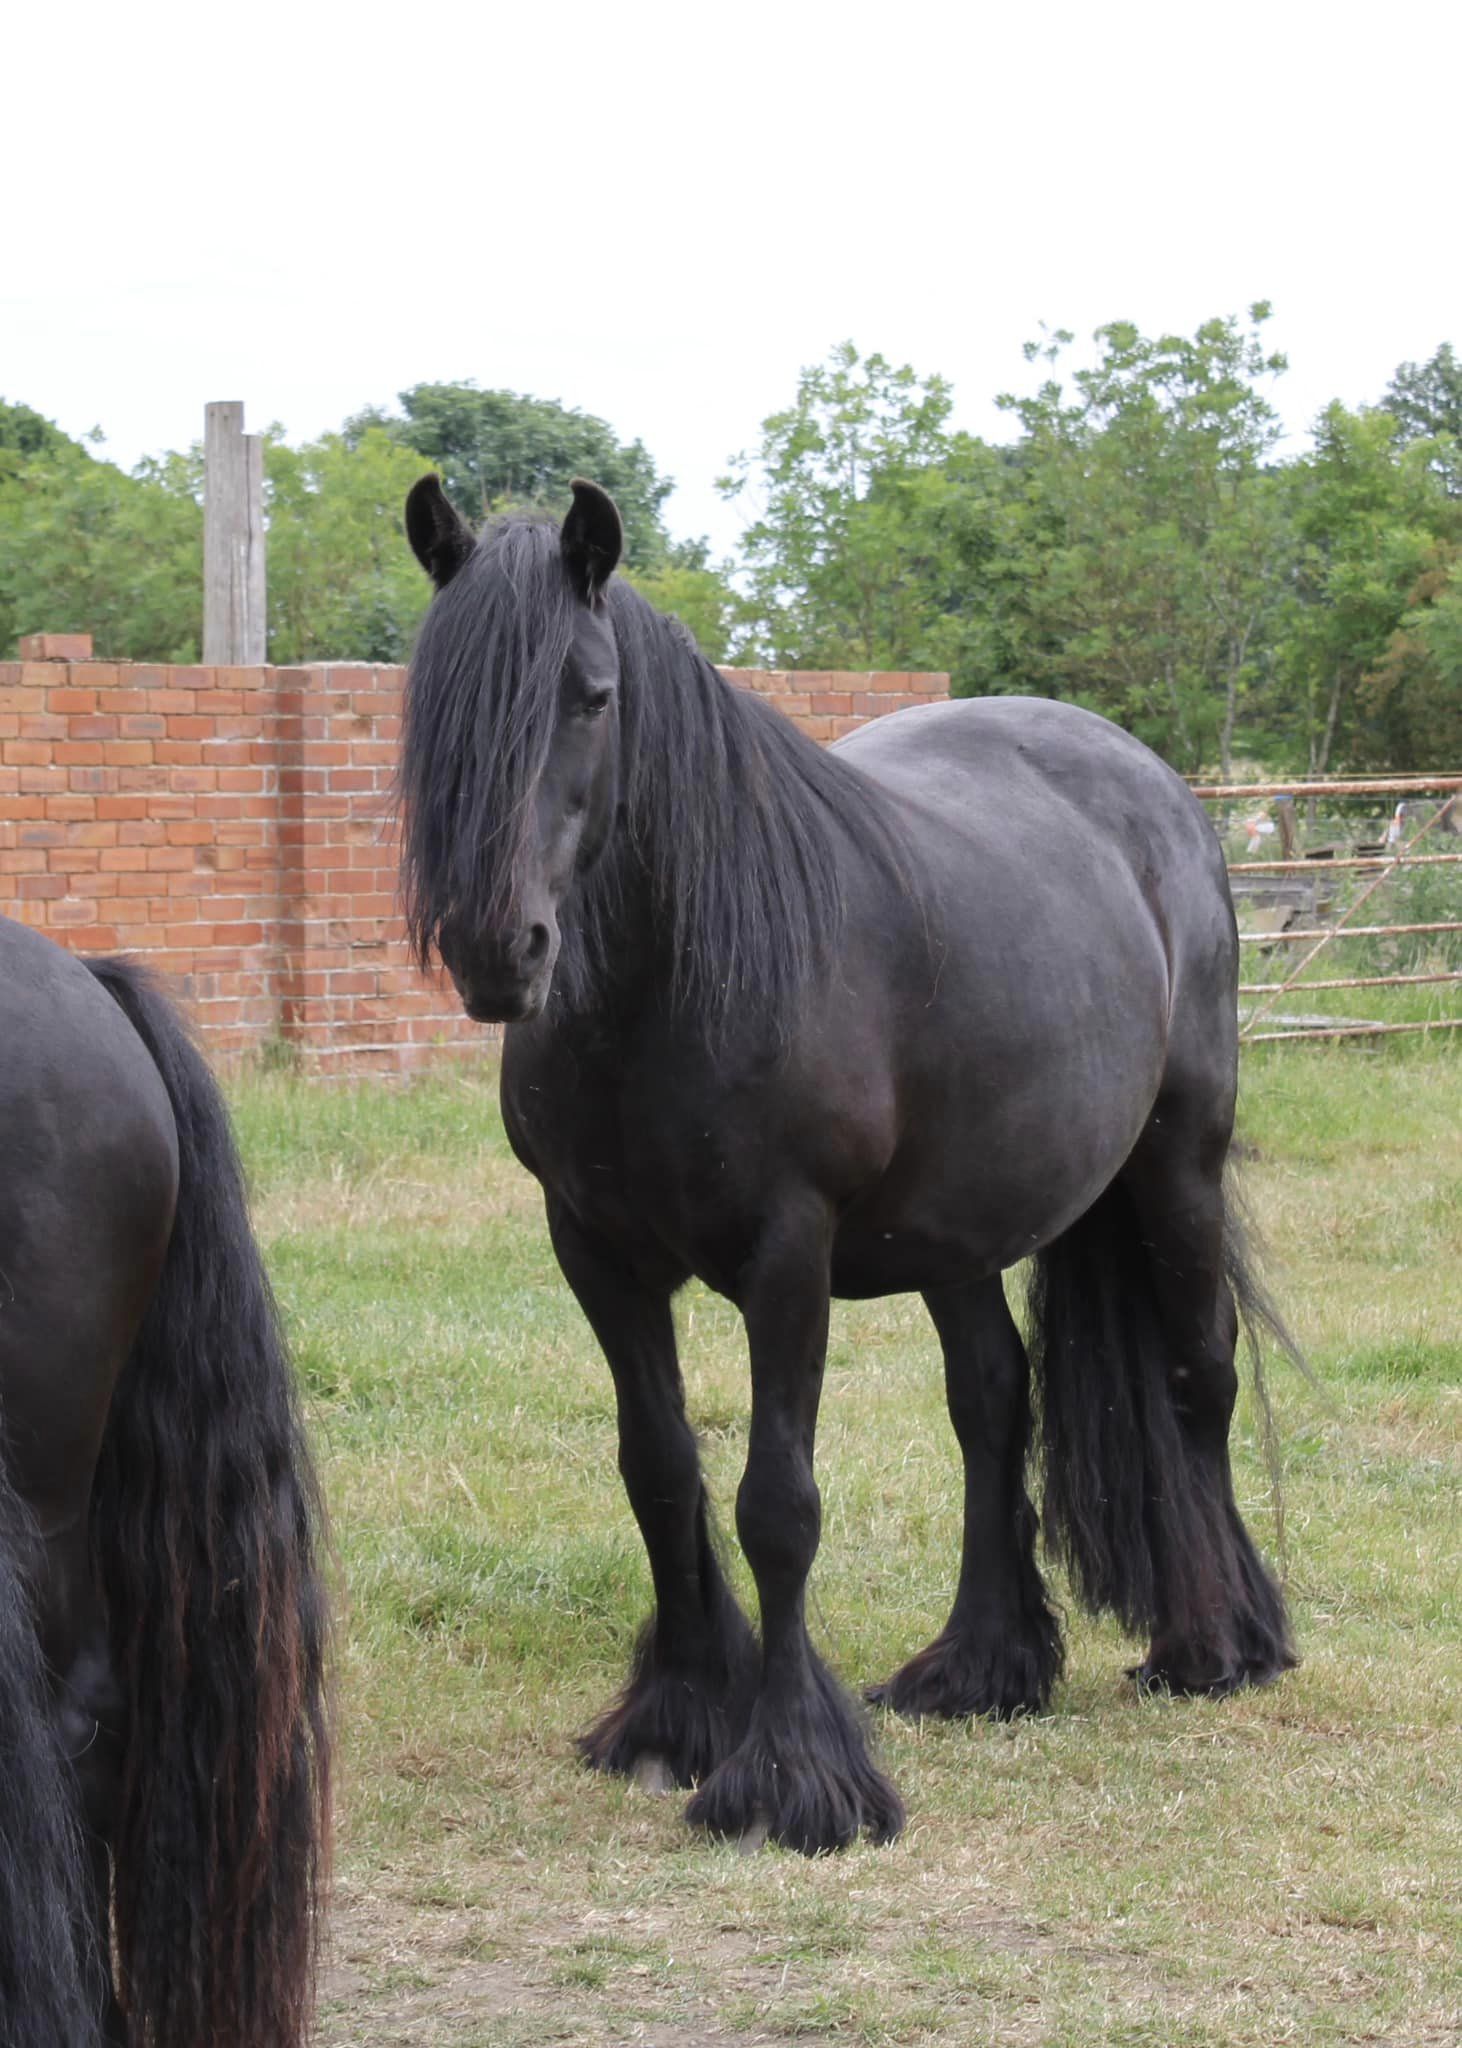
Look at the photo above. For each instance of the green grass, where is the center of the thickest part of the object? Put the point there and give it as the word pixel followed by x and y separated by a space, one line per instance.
pixel 1274 1868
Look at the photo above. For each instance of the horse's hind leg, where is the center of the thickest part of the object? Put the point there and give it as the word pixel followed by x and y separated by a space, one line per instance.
pixel 1000 1651
pixel 694 1670
pixel 89 1718
pixel 1218 1617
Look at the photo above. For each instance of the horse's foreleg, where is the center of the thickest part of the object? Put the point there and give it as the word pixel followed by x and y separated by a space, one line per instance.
pixel 1000 1651
pixel 803 1774
pixel 689 1690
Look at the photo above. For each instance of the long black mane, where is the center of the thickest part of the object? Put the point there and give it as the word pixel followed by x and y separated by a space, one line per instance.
pixel 732 820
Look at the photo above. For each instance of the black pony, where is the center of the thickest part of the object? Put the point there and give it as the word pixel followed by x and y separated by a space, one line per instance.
pixel 886 1018
pixel 163 1734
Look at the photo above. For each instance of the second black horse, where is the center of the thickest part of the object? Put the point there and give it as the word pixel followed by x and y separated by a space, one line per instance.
pixel 886 1018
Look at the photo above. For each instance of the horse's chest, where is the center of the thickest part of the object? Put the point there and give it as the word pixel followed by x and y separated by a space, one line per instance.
pixel 670 1189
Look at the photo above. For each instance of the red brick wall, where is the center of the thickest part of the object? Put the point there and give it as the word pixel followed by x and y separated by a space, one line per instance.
pixel 234 826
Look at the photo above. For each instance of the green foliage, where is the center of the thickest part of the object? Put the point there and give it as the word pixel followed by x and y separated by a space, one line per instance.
pixel 499 451
pixel 1369 513
pixel 833 564
pixel 343 584
pixel 684 584
pixel 1137 549
pixel 86 547
pixel 24 433
pixel 1425 400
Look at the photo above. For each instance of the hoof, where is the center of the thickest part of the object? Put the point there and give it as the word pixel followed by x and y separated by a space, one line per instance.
pixel 672 1726
pixel 803 1778
pixel 1155 1675
pixel 797 1804
pixel 955 1678
pixel 653 1774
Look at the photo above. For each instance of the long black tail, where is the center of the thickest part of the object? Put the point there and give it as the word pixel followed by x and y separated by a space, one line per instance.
pixel 1138 1504
pixel 205 1521
pixel 48 1981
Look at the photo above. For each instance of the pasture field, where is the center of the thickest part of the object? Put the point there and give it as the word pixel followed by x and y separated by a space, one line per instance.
pixel 1281 1867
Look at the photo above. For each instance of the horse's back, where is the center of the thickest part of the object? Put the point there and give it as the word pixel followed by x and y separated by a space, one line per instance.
pixel 87 1189
pixel 994 758
pixel 1049 827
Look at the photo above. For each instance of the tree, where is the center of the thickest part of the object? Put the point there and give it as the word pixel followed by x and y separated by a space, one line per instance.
pixel 686 585
pixel 1152 546
pixel 1425 400
pixel 1409 705
pixel 498 451
pixel 1369 511
pixel 86 547
pixel 25 433
pixel 833 573
pixel 343 584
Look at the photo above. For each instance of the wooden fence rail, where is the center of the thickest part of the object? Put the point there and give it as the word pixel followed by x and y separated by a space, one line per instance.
pixel 1381 866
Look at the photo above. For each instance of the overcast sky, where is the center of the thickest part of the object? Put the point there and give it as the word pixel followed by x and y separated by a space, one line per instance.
pixel 658 213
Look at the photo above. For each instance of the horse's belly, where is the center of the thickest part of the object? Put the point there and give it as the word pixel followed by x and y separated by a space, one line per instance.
pixel 984 1175
pixel 985 1226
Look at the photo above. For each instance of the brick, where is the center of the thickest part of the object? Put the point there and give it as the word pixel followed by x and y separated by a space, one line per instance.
pixel 56 647
pixel 94 675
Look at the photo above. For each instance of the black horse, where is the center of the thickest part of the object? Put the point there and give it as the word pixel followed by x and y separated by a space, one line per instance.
pixel 890 1017
pixel 163 1730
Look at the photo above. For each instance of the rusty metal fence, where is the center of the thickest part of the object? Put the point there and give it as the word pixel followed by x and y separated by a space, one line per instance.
pixel 1331 864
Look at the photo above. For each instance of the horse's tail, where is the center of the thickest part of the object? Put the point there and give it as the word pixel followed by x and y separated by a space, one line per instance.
pixel 205 1527
pixel 1130 1509
pixel 47 1996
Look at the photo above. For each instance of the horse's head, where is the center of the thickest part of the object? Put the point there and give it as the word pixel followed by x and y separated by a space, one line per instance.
pixel 511 741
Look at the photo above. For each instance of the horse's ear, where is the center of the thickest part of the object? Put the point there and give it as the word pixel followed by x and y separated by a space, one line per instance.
pixel 440 537
pixel 592 539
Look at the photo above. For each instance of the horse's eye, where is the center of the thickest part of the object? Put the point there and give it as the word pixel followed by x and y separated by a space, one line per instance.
pixel 594 702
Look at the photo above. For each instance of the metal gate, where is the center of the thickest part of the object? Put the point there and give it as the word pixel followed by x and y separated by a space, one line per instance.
pixel 1334 860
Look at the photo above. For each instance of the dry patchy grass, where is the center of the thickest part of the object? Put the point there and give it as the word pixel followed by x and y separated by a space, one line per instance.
pixel 1274 1868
